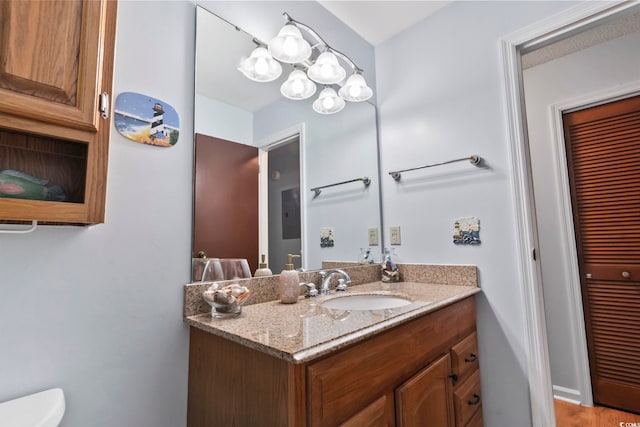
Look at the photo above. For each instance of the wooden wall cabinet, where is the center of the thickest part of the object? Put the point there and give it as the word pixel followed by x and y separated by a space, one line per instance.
pixel 56 59
pixel 415 374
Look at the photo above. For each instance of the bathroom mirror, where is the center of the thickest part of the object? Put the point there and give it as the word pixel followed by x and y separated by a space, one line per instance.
pixel 239 113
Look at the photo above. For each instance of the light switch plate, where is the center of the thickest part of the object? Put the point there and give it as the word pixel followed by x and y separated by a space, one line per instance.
pixel 373 237
pixel 395 235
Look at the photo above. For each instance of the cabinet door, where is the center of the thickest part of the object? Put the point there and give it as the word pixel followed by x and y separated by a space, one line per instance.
pixel 51 60
pixel 378 414
pixel 426 399
pixel 56 58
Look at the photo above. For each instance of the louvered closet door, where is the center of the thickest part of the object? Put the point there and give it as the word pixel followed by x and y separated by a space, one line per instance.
pixel 603 152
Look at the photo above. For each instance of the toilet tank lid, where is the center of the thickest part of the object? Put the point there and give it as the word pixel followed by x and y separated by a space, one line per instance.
pixel 43 409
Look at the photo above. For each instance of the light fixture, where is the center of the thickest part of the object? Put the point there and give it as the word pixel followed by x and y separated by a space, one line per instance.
pixel 355 89
pixel 313 59
pixel 328 102
pixel 298 86
pixel 326 69
pixel 260 66
pixel 289 46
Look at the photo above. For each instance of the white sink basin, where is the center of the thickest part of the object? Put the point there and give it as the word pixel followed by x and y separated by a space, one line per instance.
pixel 365 302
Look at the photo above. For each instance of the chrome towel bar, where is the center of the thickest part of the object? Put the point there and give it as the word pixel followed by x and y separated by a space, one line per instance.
pixel 318 190
pixel 474 159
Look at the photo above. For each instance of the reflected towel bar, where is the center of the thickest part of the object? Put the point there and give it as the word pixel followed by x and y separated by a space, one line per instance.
pixel 474 159
pixel 318 190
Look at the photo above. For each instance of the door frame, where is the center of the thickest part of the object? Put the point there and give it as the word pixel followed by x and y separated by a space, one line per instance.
pixel 554 28
pixel 264 146
pixel 576 312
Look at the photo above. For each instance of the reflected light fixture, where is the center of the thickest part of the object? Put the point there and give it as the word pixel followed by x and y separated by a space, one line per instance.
pixel 298 86
pixel 328 102
pixel 260 66
pixel 326 69
pixel 289 46
pixel 313 61
pixel 355 89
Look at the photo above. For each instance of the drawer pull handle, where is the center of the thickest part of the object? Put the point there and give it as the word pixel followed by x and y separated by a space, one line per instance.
pixel 626 274
pixel 475 401
pixel 454 378
pixel 471 359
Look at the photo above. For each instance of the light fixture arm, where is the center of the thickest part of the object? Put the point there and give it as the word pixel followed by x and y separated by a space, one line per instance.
pixel 320 40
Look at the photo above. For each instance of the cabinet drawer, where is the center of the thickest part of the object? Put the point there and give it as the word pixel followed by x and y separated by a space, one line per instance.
pixel 467 399
pixel 464 357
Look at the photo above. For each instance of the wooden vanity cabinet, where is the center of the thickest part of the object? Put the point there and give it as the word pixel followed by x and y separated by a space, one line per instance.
pixel 56 59
pixel 401 377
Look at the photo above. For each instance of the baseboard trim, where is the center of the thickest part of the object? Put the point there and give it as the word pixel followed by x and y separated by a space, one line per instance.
pixel 567 395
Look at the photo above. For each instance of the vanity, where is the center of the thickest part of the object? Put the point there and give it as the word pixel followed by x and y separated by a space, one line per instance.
pixel 308 365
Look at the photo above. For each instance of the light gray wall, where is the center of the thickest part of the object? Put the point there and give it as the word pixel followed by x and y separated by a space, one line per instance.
pixel 599 68
pixel 224 121
pixel 441 97
pixel 336 148
pixel 98 310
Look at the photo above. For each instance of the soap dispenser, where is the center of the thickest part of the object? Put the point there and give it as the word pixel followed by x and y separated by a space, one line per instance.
pixel 263 270
pixel 289 282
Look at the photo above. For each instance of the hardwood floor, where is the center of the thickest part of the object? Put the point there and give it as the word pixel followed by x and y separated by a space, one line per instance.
pixel 570 415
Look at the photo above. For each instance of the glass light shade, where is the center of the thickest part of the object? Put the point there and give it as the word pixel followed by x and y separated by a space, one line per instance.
pixel 298 86
pixel 355 89
pixel 260 66
pixel 289 46
pixel 326 69
pixel 328 102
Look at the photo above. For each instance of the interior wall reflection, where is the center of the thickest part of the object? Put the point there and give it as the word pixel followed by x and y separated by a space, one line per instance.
pixel 334 148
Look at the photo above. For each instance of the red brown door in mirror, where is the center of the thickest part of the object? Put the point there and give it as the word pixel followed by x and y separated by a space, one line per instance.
pixel 225 223
pixel 603 155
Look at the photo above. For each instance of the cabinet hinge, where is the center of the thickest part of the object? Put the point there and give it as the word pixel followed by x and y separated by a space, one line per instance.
pixel 104 105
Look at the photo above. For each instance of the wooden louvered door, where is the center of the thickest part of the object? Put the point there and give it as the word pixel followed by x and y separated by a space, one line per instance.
pixel 603 152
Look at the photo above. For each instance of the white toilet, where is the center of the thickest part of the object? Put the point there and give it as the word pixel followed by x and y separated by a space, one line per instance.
pixel 44 409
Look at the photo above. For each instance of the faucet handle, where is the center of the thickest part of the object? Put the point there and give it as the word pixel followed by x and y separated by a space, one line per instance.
pixel 342 286
pixel 311 290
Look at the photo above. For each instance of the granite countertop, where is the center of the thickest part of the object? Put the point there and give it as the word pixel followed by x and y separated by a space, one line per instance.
pixel 301 332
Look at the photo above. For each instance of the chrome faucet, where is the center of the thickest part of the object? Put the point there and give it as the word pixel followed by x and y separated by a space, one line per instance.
pixel 342 283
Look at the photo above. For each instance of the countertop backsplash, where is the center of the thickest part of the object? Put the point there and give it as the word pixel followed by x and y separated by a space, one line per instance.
pixel 264 289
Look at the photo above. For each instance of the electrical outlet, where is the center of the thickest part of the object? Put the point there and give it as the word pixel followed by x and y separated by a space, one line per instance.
pixel 373 237
pixel 395 235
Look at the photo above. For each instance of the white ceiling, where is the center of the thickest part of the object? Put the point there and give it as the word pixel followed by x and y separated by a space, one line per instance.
pixel 377 21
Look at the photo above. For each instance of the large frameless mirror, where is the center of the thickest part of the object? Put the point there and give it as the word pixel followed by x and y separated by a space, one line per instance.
pixel 258 155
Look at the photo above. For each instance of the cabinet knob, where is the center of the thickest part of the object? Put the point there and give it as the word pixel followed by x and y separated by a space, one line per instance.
pixel 472 358
pixel 626 274
pixel 475 401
